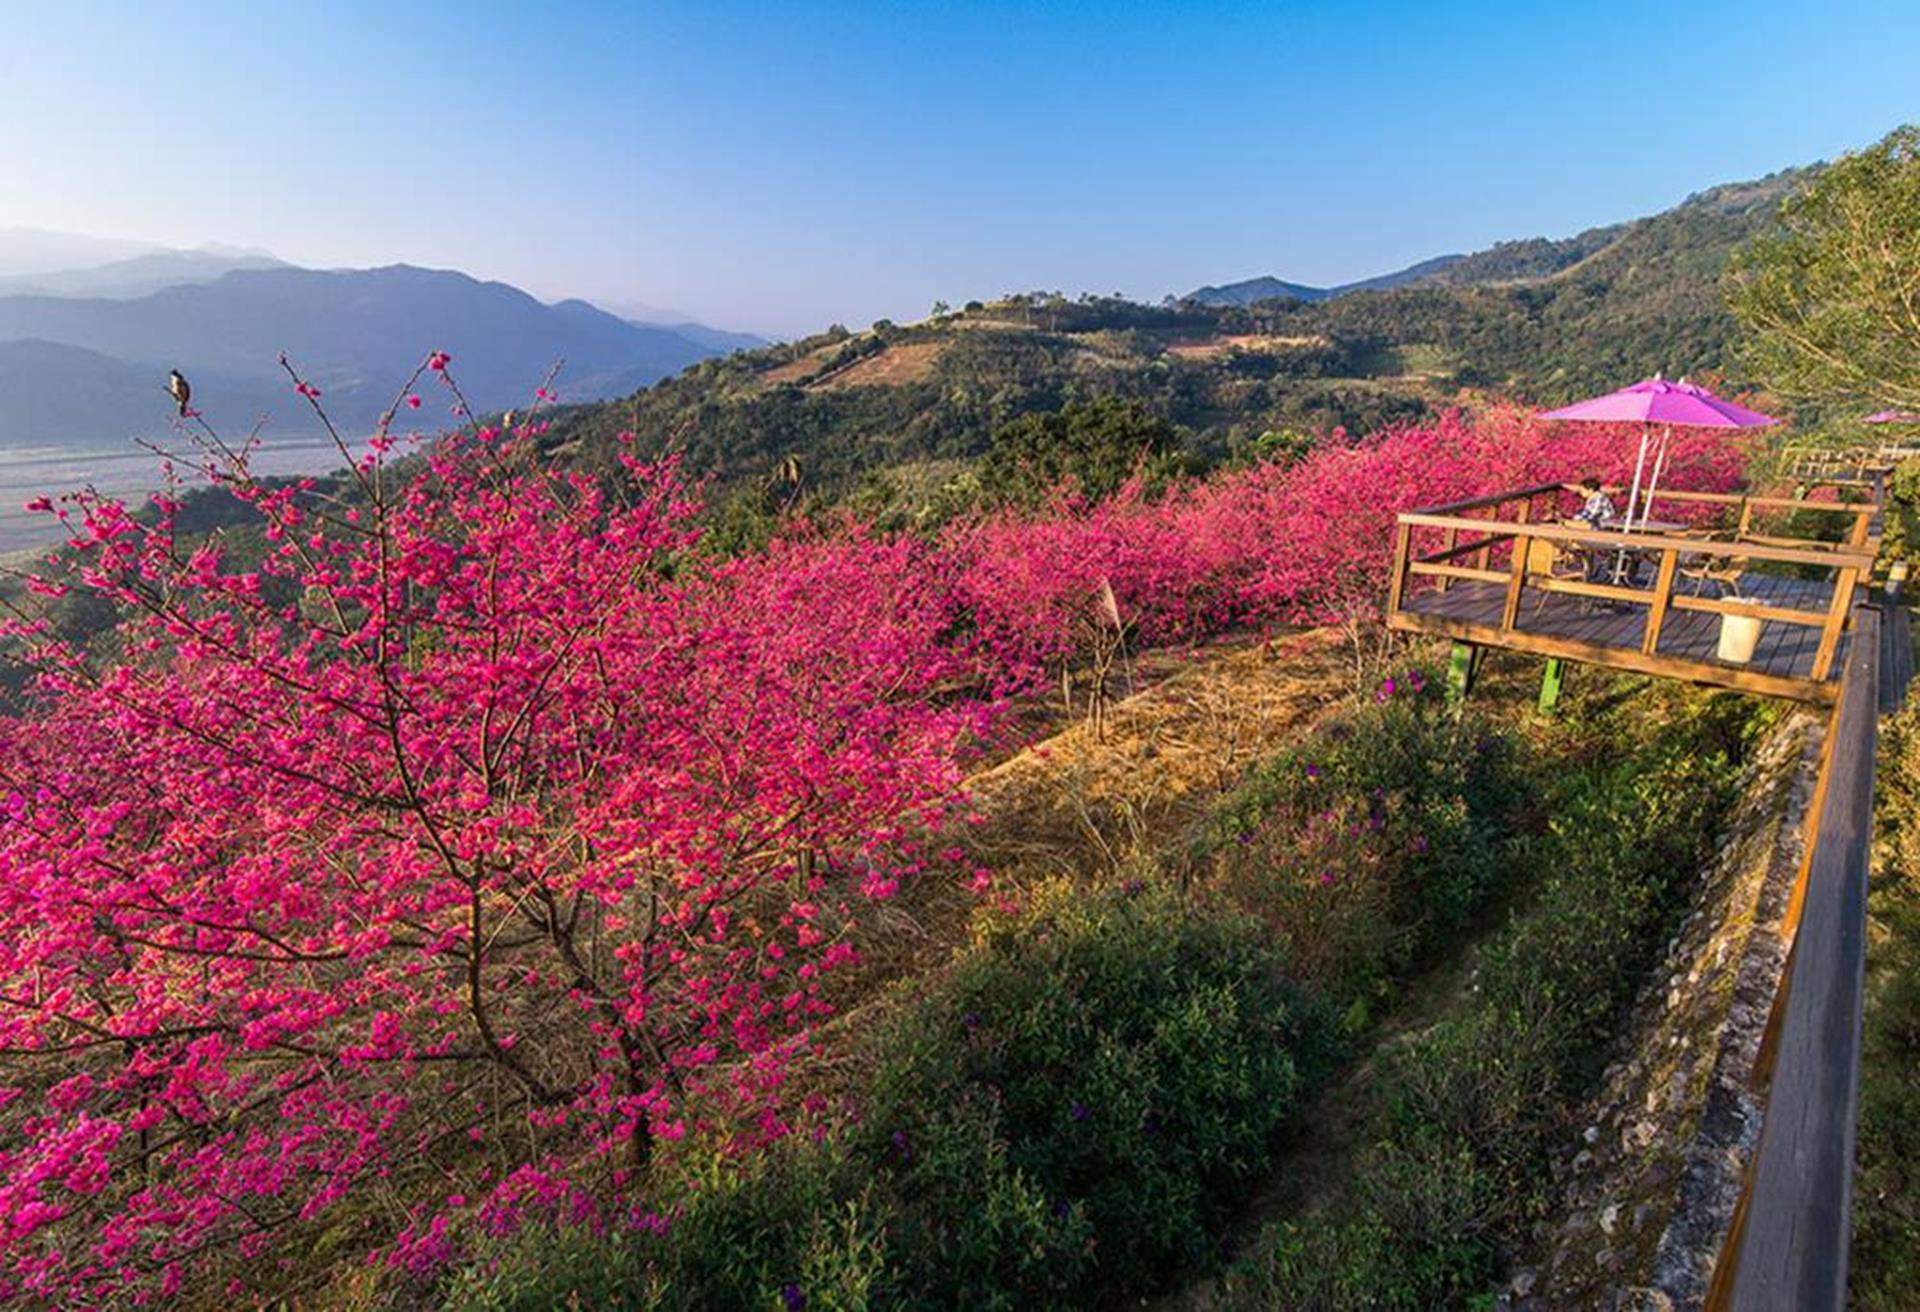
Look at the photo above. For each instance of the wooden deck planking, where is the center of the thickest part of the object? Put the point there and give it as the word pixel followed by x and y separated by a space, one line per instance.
pixel 1785 651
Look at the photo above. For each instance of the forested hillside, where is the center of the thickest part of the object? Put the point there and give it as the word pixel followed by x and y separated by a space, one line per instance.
pixel 1556 319
pixel 1541 319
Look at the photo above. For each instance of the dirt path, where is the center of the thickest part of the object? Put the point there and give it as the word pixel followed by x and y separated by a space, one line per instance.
pixel 1314 1166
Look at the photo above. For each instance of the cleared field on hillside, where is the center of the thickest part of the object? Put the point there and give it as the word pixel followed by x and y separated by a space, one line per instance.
pixel 795 370
pixel 897 365
pixel 1212 348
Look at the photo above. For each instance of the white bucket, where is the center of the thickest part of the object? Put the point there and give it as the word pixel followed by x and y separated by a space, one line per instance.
pixel 1739 635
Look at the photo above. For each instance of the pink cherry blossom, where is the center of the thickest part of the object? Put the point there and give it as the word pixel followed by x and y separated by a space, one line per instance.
pixel 481 836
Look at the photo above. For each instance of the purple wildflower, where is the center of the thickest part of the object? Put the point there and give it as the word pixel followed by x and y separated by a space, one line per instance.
pixel 794 1297
pixel 1080 1112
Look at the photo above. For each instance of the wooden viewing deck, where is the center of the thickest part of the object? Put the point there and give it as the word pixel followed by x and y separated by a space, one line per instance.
pixel 1509 571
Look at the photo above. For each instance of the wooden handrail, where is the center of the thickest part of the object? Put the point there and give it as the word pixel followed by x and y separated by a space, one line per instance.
pixel 1752 610
pixel 1458 548
pixel 1789 1241
pixel 1494 499
pixel 1769 503
pixel 1838 556
pixel 1446 572
pixel 1732 499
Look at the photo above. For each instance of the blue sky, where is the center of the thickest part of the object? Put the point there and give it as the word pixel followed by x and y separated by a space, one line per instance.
pixel 783 165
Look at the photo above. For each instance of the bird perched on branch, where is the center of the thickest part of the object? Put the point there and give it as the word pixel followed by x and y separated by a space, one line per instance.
pixel 179 390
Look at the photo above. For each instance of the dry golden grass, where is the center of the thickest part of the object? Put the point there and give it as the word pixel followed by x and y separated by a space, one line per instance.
pixel 1080 806
pixel 1211 348
pixel 908 362
pixel 794 370
pixel 1077 806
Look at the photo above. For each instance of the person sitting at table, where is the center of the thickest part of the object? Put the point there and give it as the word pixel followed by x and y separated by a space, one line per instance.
pixel 1594 512
pixel 1598 507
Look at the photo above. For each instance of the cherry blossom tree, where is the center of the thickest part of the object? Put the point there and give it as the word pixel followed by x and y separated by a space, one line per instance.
pixel 451 852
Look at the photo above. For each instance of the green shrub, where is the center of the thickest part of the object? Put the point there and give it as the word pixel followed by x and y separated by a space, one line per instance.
pixel 741 1232
pixel 1064 1113
pixel 1375 843
pixel 1467 1113
pixel 1069 1110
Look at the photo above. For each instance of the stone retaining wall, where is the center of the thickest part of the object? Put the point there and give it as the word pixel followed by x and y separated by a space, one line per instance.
pixel 1648 1188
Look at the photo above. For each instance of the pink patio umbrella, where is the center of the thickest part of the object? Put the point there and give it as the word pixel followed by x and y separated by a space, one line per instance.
pixel 1656 401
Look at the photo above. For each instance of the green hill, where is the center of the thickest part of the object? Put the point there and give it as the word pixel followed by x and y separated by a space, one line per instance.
pixel 1544 319
pixel 1553 319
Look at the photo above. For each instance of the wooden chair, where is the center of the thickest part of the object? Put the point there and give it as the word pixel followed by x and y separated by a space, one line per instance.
pixel 1567 561
pixel 1721 572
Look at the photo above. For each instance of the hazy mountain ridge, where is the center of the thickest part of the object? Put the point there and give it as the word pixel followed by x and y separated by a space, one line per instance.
pixel 137 275
pixel 29 251
pixel 1252 291
pixel 354 332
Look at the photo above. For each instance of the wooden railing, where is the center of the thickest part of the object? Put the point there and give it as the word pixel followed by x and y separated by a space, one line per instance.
pixel 1787 1246
pixel 1851 465
pixel 1491 540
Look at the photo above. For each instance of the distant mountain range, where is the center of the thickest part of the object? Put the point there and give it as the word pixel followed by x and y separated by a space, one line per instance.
pixel 138 275
pixel 1535 258
pixel 1252 291
pixel 84 351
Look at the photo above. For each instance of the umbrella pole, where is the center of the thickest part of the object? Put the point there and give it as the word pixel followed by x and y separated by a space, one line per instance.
pixel 1639 465
pixel 1659 468
pixel 1633 503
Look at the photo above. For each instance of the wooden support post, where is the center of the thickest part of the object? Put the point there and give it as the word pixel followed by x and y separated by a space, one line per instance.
pixel 1862 525
pixel 1461 668
pixel 1551 679
pixel 1836 622
pixel 1662 597
pixel 1398 586
pixel 1452 541
pixel 1522 545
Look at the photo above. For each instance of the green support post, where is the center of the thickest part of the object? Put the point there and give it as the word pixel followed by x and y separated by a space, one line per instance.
pixel 1550 681
pixel 1460 671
